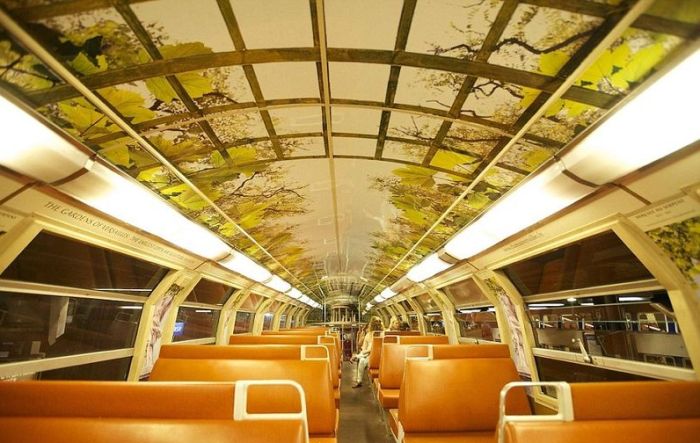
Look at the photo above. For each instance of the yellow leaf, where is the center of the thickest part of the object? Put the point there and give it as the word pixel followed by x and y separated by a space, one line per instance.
pixel 161 89
pixel 551 62
pixel 129 104
pixel 453 161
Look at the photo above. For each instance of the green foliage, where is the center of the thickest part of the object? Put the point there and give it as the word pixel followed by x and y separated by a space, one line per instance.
pixel 453 161
pixel 195 83
pixel 416 176
pixel 21 69
pixel 681 242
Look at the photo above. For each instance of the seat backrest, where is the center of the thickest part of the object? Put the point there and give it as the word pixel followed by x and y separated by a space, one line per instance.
pixel 622 431
pixel 313 375
pixel 116 399
pixel 635 400
pixel 256 352
pixel 443 352
pixel 394 356
pixel 402 333
pixel 458 395
pixel 624 412
pixel 296 332
pixel 273 340
pixel 114 412
pixel 375 353
pixel 422 339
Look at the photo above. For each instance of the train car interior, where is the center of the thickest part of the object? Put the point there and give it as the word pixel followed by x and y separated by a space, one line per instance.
pixel 353 221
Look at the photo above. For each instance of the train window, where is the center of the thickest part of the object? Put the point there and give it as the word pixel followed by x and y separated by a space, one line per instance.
pixel 413 321
pixel 435 323
pixel 43 326
pixel 251 302
pixel 465 293
pixel 637 327
pixel 193 323
pixel 427 303
pixel 283 320
pixel 599 260
pixel 478 323
pixel 209 292
pixel 244 322
pixel 117 370
pixel 269 315
pixel 56 260
pixel 406 305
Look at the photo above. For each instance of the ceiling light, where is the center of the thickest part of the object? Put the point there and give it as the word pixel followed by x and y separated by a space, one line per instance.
pixel 587 304
pixel 243 265
pixel 203 311
pixel 294 293
pixel 545 305
pixel 378 298
pixel 110 192
pixel 31 148
pixel 627 299
pixel 387 293
pixel 538 198
pixel 469 311
pixel 277 284
pixel 571 299
pixel 427 268
pixel 657 122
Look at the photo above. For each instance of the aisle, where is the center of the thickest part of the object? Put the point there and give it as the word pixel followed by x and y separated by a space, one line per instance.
pixel 360 419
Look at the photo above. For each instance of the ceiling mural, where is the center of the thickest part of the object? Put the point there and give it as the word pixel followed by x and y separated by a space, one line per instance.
pixel 435 110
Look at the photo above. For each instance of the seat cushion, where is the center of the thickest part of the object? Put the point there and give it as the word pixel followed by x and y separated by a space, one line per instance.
pixel 323 440
pixel 389 398
pixel 452 437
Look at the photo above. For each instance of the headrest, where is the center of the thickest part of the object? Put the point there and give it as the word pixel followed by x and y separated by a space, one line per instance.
pixel 273 340
pixel 423 339
pixel 443 352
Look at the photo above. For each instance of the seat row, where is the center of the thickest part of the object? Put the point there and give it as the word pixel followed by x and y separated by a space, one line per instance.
pixel 446 393
pixel 253 392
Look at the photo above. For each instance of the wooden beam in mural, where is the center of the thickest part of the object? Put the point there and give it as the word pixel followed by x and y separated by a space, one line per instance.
pixel 238 43
pixel 253 56
pixel 407 11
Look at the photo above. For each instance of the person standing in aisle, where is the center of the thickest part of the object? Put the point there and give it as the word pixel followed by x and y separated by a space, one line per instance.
pixel 363 356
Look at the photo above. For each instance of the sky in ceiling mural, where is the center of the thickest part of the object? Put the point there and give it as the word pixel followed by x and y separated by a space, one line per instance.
pixel 426 99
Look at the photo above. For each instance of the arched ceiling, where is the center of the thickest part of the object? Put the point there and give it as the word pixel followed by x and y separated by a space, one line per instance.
pixel 340 141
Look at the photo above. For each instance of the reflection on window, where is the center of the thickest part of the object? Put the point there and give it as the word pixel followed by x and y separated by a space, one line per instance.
pixel 435 323
pixel 283 320
pixel 557 370
pixel 209 292
pixel 632 327
pixel 267 321
pixel 595 261
pixel 478 323
pixel 117 370
pixel 465 292
pixel 42 326
pixel 193 323
pixel 56 260
pixel 244 322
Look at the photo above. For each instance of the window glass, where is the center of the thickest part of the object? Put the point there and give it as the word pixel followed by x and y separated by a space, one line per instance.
pixel 267 321
pixel 637 327
pixel 427 303
pixel 600 260
pixel 210 292
pixel 195 323
pixel 479 323
pixel 413 321
pixel 42 326
pixel 557 370
pixel 57 260
pixel 283 320
pixel 435 323
pixel 406 305
pixel 465 292
pixel 244 322
pixel 117 370
pixel 251 302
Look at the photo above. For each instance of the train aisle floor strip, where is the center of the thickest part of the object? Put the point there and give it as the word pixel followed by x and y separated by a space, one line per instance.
pixel 360 419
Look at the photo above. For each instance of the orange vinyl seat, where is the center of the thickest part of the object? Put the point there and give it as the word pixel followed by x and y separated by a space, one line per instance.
pixel 374 357
pixel 456 400
pixel 258 352
pixel 114 412
pixel 391 365
pixel 624 412
pixel 314 376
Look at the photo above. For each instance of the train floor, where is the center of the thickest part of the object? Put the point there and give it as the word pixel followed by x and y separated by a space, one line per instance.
pixel 361 419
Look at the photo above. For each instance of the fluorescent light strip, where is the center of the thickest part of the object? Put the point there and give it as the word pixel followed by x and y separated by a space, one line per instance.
pixel 277 284
pixel 427 268
pixel 243 265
